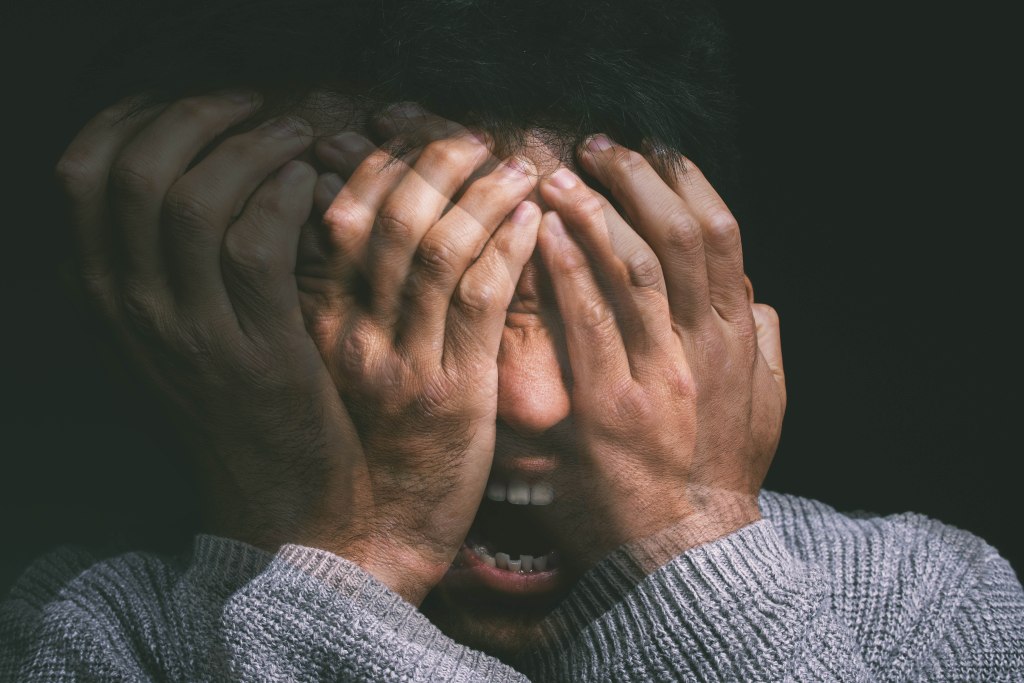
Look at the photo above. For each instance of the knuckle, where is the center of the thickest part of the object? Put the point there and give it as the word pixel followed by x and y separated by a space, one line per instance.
pixel 722 227
pixel 630 405
pixel 626 162
pixel 200 348
pixel 683 232
pixel 343 219
pixel 438 257
pixel 270 207
pixel 679 380
pixel 132 178
pixel 186 210
pixel 596 315
pixel 248 257
pixel 394 225
pixel 454 152
pixel 76 176
pixel 586 207
pixel 140 309
pixel 644 271
pixel 360 356
pixel 479 298
pixel 285 127
pixel 196 109
pixel 434 398
pixel 94 285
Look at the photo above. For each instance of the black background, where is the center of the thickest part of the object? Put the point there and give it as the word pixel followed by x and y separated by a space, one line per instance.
pixel 878 209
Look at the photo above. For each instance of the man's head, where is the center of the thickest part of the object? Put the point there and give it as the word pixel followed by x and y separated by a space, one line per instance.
pixel 538 78
pixel 655 70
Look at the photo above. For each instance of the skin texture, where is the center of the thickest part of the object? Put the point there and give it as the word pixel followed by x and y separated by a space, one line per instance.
pixel 348 382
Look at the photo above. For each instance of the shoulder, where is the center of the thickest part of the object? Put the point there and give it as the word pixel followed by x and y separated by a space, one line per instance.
pixel 73 609
pixel 903 580
pixel 75 585
pixel 908 545
pixel 70 572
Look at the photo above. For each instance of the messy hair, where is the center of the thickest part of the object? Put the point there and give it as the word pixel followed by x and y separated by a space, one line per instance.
pixel 638 70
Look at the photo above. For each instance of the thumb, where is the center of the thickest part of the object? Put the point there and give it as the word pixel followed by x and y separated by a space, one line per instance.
pixel 769 342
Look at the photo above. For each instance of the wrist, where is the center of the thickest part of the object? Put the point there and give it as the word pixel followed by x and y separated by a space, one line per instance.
pixel 409 572
pixel 719 514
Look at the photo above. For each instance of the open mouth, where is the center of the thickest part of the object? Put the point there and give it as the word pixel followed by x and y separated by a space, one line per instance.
pixel 508 548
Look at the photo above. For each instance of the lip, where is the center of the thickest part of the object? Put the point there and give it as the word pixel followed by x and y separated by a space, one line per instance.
pixel 470 572
pixel 530 467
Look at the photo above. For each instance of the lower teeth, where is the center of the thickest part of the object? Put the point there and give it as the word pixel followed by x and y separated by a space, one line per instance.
pixel 524 564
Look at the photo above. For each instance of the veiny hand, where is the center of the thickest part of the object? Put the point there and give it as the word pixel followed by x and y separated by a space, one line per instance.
pixel 677 385
pixel 191 262
pixel 405 294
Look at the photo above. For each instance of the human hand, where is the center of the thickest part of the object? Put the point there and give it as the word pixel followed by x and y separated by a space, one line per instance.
pixel 677 384
pixel 405 294
pixel 190 260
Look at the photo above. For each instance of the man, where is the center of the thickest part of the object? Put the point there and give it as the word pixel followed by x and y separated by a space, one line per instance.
pixel 460 328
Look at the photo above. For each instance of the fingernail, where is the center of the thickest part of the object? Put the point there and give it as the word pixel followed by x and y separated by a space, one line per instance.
pixel 599 143
pixel 394 119
pixel 517 166
pixel 523 213
pixel 564 179
pixel 556 227
pixel 332 183
pixel 242 97
pixel 349 143
pixel 292 172
pixel 404 110
pixel 287 126
pixel 480 136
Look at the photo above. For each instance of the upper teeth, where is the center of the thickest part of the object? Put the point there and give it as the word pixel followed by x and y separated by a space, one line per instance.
pixel 521 493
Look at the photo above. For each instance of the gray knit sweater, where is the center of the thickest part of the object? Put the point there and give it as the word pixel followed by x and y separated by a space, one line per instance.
pixel 806 594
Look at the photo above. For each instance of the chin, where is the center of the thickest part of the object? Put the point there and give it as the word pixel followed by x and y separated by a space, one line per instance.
pixel 502 629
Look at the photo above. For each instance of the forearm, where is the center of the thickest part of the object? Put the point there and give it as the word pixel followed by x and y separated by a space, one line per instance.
pixel 740 608
pixel 233 613
pixel 805 594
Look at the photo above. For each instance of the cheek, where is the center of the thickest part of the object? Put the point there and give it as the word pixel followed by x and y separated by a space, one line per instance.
pixel 532 391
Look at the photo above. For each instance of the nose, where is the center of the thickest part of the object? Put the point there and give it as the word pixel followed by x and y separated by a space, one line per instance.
pixel 532 392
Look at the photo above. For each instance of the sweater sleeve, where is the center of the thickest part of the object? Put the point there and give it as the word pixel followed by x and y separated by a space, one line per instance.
pixel 746 608
pixel 232 612
pixel 738 609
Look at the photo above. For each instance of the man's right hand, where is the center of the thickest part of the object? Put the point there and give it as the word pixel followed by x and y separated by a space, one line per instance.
pixel 407 305
pixel 192 263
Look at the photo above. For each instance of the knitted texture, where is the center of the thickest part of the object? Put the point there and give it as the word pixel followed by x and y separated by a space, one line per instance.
pixel 806 594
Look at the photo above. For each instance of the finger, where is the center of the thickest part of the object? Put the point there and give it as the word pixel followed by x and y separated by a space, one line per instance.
pixel 82 174
pixel 627 269
pixel 260 248
pixel 328 185
pixel 414 124
pixel 662 219
pixel 152 162
pixel 315 261
pixel 417 203
pixel 348 219
pixel 456 240
pixel 343 153
pixel 597 354
pixel 476 317
pixel 769 341
pixel 408 126
pixel 203 202
pixel 723 249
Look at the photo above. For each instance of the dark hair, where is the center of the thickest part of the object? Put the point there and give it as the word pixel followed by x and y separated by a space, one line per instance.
pixel 635 69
